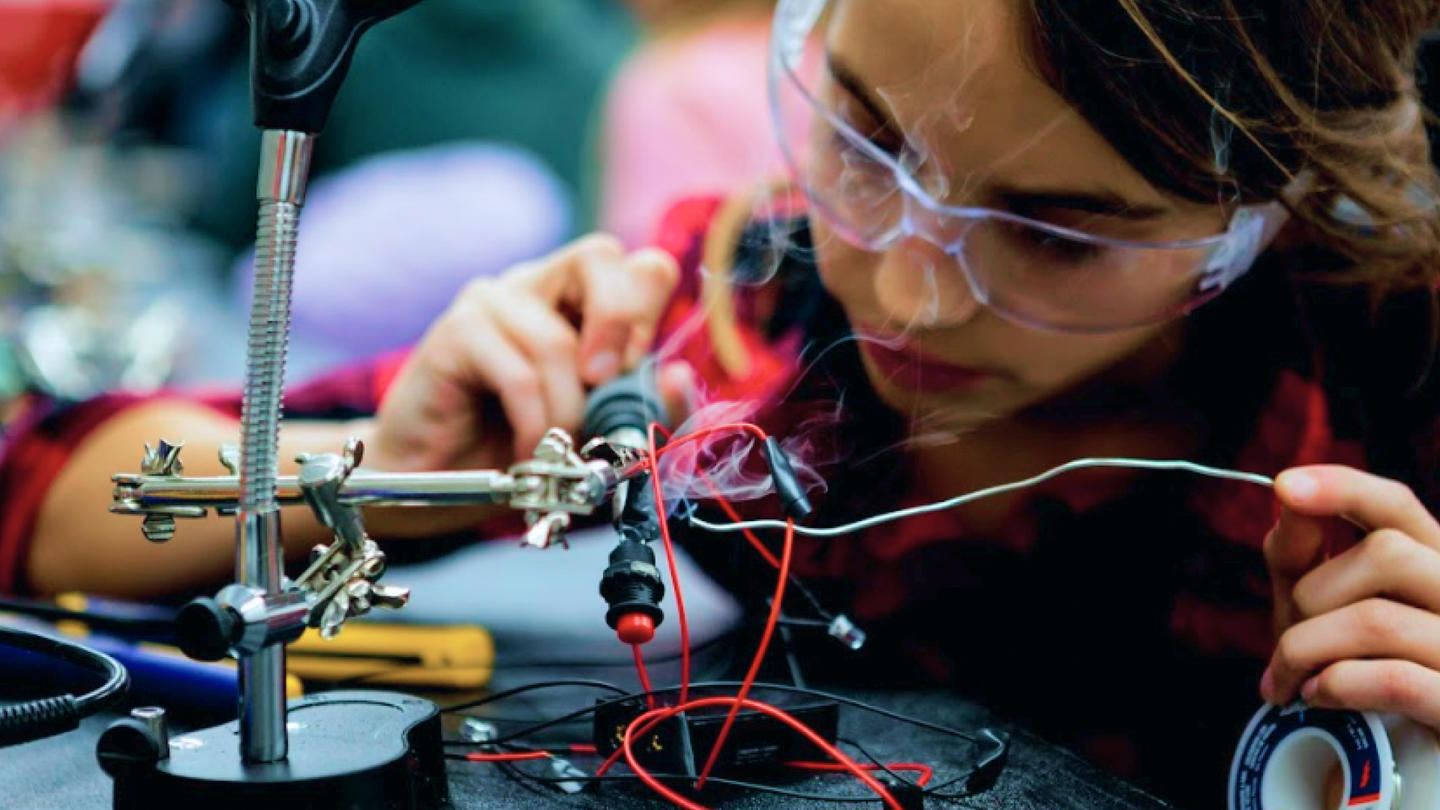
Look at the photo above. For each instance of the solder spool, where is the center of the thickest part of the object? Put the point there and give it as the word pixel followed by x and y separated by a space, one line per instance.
pixel 1299 758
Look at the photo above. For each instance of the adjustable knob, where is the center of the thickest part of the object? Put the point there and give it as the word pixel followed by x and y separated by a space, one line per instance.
pixel 207 629
pixel 127 745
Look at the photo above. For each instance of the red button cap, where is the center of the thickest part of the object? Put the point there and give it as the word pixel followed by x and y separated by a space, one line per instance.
pixel 635 628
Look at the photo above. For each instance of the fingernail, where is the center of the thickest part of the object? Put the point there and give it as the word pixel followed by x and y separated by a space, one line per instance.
pixel 1299 485
pixel 1267 686
pixel 603 365
pixel 1308 689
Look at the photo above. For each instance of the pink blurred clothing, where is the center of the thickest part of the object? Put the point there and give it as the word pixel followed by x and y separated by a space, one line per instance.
pixel 687 115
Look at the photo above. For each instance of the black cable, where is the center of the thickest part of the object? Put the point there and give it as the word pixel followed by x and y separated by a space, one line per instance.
pixel 874 760
pixel 787 645
pixel 32 720
pixel 986 770
pixel 149 629
pixel 859 704
pixel 532 687
pixel 786 621
pixel 611 662
pixel 799 585
pixel 755 786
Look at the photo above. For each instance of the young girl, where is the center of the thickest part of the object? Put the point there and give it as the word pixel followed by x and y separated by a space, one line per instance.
pixel 1019 212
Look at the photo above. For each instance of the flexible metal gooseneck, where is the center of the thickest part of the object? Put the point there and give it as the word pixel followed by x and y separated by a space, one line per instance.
pixel 284 170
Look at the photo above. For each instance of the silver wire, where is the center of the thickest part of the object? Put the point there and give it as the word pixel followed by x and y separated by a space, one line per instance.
pixel 961 500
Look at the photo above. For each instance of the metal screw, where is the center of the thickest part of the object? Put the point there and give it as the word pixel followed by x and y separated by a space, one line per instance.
pixel 476 730
pixel 154 719
pixel 158 528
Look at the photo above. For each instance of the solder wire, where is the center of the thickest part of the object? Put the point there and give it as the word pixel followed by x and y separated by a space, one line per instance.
pixel 1000 489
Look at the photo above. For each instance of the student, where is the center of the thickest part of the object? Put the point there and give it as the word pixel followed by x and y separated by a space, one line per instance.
pixel 1123 167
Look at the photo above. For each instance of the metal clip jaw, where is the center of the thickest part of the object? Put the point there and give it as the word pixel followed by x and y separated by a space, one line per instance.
pixel 557 483
pixel 161 461
pixel 342 580
pixel 161 465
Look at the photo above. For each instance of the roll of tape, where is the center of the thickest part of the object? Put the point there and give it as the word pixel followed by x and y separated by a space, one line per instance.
pixel 1289 756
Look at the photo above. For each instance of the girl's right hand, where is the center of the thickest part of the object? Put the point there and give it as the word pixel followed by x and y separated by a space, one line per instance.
pixel 513 355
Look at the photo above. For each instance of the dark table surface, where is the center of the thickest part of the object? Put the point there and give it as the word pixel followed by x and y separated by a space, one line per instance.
pixel 62 773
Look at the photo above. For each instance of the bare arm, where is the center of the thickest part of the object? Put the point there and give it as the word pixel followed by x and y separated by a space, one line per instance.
pixel 508 341
pixel 79 545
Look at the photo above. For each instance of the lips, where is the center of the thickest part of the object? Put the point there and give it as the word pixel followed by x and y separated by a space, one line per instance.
pixel 902 364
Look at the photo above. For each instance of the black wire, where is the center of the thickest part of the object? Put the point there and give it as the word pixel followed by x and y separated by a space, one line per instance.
pixel 929 792
pixel 755 786
pixel 859 704
pixel 150 629
pixel 787 644
pixel 790 622
pixel 799 585
pixel 934 790
pixel 876 761
pixel 117 679
pixel 553 663
pixel 613 662
pixel 532 687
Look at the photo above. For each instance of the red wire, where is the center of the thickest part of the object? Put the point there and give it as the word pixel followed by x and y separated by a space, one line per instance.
pixel 925 771
pixel 670 559
pixel 714 489
pixel 709 431
pixel 518 756
pixel 735 516
pixel 749 681
pixel 583 748
pixel 654 716
pixel 650 719
pixel 644 676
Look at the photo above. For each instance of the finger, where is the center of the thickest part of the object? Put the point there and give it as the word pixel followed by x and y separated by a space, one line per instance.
pixel 1387 563
pixel 1373 628
pixel 1294 547
pixel 619 310
pixel 549 342
pixel 1371 501
pixel 1404 687
pixel 678 385
pixel 486 360
pixel 555 277
pixel 658 275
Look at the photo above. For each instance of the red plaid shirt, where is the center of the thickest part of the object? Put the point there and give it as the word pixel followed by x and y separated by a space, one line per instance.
pixel 1198 622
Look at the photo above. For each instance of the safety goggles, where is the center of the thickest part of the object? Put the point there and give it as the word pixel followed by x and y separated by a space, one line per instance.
pixel 1031 272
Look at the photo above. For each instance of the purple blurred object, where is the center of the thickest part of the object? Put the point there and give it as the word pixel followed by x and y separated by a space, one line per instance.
pixel 386 244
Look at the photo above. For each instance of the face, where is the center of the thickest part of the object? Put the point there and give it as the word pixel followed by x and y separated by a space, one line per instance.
pixel 950 84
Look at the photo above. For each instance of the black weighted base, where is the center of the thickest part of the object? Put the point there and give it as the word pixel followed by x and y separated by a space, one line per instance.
pixel 355 750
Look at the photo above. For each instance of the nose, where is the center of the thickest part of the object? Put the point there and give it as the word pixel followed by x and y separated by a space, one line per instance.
pixel 918 284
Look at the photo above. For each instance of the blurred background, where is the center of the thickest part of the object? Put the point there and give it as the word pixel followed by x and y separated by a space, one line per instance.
pixel 470 135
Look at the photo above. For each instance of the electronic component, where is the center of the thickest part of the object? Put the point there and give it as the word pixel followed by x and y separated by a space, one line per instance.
pixel 755 740
pixel 632 587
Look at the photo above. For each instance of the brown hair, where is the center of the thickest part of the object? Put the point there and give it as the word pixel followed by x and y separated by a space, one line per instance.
pixel 1231 100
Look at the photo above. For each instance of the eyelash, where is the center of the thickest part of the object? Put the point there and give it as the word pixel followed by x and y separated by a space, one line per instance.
pixel 1067 250
pixel 881 137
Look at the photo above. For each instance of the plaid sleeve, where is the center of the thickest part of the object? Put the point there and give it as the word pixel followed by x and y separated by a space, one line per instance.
pixel 684 330
pixel 34 450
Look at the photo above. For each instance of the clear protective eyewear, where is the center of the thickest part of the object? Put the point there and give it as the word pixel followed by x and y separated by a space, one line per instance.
pixel 1031 272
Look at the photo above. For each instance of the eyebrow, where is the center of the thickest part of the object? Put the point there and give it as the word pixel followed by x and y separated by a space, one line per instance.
pixel 846 78
pixel 1103 202
pixel 1098 201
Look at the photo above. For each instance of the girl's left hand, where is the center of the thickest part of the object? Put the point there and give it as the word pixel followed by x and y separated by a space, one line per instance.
pixel 1358 622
